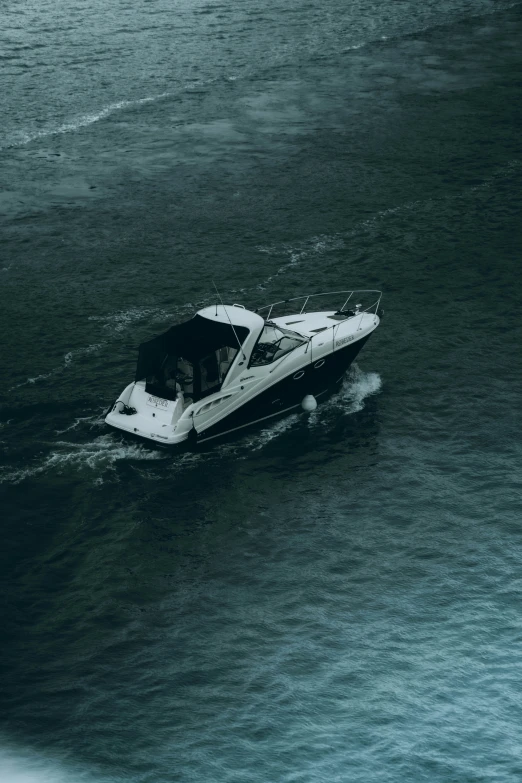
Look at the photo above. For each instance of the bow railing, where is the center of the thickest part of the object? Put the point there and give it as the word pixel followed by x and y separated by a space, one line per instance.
pixel 336 301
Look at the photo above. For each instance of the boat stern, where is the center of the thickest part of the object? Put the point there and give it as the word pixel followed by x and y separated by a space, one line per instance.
pixel 144 415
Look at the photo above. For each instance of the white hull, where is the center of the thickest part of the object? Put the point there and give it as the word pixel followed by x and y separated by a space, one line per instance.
pixel 250 392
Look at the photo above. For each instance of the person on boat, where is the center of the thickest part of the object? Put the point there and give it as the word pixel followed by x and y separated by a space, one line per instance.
pixel 172 383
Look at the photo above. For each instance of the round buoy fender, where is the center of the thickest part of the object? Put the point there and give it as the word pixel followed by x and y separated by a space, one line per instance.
pixel 309 403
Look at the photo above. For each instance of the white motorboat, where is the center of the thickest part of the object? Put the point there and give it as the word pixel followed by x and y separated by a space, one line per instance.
pixel 228 367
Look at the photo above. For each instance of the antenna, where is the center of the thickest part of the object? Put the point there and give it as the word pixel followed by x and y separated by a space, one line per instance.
pixel 230 322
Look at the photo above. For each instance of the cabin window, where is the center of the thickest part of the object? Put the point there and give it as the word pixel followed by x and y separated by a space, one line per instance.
pixel 209 371
pixel 175 375
pixel 214 367
pixel 195 379
pixel 226 356
pixel 274 343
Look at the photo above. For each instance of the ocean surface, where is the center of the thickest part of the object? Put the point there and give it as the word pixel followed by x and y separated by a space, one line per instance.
pixel 335 597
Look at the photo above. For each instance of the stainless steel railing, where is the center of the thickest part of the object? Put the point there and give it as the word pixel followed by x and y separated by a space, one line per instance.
pixel 289 306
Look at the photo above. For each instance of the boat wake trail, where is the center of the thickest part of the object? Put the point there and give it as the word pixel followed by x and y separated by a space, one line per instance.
pixel 267 434
pixel 101 454
pixel 30 381
pixel 20 138
pixel 71 355
pixel 92 422
pixel 115 324
pixel 97 456
pixel 68 359
pixel 299 253
pixel 123 319
pixel 306 250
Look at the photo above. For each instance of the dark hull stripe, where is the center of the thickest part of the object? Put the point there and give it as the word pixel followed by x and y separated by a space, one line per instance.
pixel 288 393
pixel 257 421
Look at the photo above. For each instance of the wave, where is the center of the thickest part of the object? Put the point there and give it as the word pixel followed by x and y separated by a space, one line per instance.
pixel 20 138
pixel 263 437
pixel 305 249
pixel 100 454
pixel 67 361
pixel 511 167
pixel 503 172
pixel 30 381
pixel 115 322
pixel 500 6
pixel 350 398
pixel 68 358
pixel 96 420
pixel 120 320
pixel 356 388
pixel 299 252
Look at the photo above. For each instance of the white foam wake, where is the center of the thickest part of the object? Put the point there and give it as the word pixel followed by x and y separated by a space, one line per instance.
pixel 115 323
pixel 100 454
pixel 299 252
pixel 96 420
pixel 68 358
pixel 121 320
pixel 504 171
pixel 67 361
pixel 20 138
pixel 356 388
pixel 268 433
pixel 30 381
pixel 350 398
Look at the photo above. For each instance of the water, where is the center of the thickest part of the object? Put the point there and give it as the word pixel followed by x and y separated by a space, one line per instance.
pixel 334 597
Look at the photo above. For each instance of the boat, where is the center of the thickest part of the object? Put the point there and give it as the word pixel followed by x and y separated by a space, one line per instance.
pixel 229 367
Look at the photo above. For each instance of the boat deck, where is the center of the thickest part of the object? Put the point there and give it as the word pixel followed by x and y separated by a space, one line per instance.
pixel 310 324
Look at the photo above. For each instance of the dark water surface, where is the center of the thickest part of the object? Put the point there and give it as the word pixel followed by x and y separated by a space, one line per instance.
pixel 336 597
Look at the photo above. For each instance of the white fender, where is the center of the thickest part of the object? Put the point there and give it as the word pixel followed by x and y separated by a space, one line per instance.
pixel 309 403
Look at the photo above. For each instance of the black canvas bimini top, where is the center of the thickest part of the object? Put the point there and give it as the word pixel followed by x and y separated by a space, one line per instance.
pixel 192 340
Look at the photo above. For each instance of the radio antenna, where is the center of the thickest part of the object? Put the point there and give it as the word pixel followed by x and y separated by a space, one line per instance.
pixel 230 322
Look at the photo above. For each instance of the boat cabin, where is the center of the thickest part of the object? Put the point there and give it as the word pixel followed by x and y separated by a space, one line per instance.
pixel 196 357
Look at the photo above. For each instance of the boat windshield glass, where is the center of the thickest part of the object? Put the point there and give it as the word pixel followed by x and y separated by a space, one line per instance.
pixel 274 343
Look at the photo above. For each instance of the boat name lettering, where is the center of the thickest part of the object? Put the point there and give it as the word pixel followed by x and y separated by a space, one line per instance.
pixel 246 377
pixel 345 340
pixel 157 402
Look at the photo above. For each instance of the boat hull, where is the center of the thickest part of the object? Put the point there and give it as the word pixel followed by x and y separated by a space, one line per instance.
pixel 228 367
pixel 316 378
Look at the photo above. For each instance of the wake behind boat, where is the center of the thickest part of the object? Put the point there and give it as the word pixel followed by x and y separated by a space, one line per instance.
pixel 228 367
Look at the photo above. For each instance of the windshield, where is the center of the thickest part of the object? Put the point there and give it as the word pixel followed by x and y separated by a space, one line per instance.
pixel 274 343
